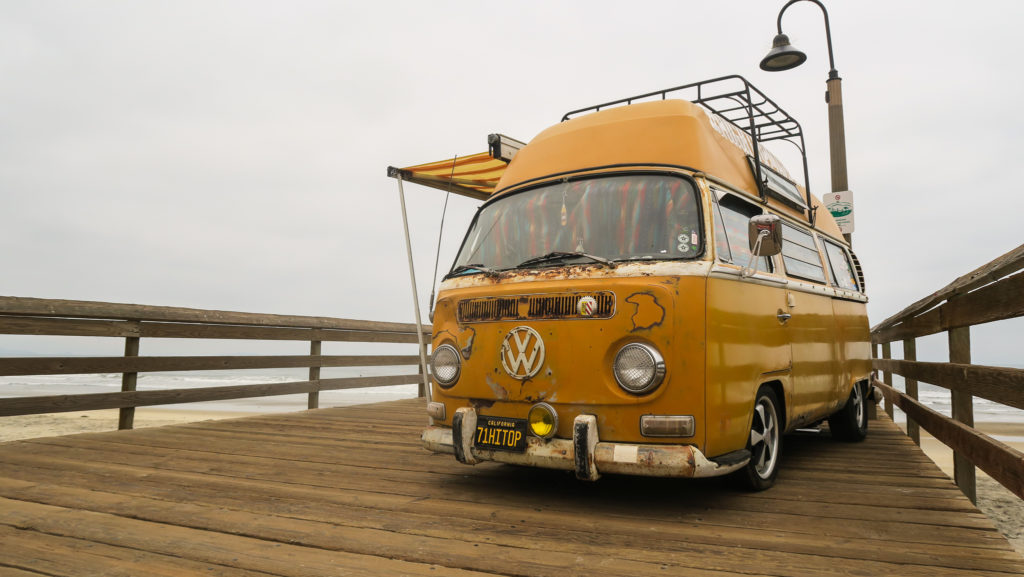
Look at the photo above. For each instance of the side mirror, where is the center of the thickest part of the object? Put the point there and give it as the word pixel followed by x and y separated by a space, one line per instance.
pixel 765 235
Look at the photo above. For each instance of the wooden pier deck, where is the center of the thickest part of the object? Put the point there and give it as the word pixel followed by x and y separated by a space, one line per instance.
pixel 349 491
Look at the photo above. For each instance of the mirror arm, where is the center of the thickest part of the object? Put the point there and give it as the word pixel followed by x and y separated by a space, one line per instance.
pixel 750 270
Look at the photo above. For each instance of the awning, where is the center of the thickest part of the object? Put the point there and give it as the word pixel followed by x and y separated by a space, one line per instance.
pixel 475 175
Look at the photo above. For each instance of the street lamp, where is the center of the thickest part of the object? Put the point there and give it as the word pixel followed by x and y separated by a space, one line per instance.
pixel 784 56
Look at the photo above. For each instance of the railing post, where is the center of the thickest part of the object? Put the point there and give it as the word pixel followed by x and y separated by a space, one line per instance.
pixel 314 375
pixel 963 411
pixel 910 354
pixel 126 416
pixel 873 405
pixel 421 390
pixel 887 376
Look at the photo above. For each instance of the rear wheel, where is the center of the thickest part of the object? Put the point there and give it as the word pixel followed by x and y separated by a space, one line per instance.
pixel 851 422
pixel 764 443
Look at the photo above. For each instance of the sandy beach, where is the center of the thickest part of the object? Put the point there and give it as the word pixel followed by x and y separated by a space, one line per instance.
pixel 1002 506
pixel 54 424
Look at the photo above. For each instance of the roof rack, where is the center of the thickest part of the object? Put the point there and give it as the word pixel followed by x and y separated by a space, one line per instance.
pixel 742 105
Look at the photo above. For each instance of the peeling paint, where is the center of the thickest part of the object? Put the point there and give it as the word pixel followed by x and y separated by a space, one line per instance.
pixel 581 272
pixel 649 312
pixel 499 392
pixel 467 349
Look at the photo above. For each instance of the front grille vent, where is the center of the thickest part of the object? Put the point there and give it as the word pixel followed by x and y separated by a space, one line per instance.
pixel 534 307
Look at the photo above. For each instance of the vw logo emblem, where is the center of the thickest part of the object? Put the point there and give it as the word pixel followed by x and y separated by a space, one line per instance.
pixel 522 353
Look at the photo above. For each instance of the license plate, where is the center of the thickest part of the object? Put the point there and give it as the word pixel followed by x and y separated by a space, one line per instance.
pixel 500 434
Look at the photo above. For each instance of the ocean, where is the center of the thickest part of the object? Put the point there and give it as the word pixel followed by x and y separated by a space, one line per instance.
pixel 934 397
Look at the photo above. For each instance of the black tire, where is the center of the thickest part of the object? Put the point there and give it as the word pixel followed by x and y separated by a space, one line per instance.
pixel 850 423
pixel 764 442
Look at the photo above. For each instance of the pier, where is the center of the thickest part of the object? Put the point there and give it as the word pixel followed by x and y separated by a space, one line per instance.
pixel 351 491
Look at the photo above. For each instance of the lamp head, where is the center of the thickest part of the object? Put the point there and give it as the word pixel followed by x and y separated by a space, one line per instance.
pixel 782 56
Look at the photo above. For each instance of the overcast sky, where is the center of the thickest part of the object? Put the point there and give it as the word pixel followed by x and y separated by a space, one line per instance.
pixel 232 155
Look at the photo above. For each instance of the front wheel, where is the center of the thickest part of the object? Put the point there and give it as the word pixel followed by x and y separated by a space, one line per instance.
pixel 851 422
pixel 764 443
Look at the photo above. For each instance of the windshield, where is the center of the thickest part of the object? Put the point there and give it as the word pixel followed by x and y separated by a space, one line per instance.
pixel 627 217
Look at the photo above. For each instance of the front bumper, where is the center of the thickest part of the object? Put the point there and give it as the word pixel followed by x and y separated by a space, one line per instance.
pixel 585 453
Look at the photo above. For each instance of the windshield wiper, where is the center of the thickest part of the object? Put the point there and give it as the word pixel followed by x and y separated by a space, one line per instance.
pixel 560 255
pixel 476 268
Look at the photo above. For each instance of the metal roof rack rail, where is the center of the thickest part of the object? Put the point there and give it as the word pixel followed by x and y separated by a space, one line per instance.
pixel 738 102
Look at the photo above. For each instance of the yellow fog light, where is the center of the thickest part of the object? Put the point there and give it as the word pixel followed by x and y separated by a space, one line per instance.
pixel 543 420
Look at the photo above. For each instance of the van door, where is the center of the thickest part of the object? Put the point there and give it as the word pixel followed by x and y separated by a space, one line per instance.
pixel 812 328
pixel 747 342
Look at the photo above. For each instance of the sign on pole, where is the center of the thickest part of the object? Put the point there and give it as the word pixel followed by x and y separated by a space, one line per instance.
pixel 840 204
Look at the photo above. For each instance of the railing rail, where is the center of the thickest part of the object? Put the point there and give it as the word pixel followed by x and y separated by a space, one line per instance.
pixel 993 292
pixel 33 316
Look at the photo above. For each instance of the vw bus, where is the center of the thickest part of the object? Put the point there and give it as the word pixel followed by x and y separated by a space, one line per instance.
pixel 648 291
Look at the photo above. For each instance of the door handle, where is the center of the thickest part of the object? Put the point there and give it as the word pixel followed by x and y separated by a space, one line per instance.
pixel 783 317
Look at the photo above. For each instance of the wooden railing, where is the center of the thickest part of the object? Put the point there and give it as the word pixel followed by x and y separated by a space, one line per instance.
pixel 31 316
pixel 991 293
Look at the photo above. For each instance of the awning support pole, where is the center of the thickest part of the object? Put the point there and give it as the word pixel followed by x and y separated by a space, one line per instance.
pixel 425 385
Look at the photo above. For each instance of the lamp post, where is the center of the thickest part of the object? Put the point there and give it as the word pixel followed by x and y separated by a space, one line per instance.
pixel 784 56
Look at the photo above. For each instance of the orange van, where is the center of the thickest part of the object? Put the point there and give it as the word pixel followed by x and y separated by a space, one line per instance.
pixel 649 292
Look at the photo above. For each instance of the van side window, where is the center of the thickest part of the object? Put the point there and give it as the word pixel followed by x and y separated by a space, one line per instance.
pixel 800 254
pixel 735 215
pixel 842 270
pixel 721 241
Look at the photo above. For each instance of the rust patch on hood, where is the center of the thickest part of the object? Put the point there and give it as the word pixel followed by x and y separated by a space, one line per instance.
pixel 648 314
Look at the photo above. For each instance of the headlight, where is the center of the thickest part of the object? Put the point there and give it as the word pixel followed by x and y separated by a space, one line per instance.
pixel 543 420
pixel 445 365
pixel 638 368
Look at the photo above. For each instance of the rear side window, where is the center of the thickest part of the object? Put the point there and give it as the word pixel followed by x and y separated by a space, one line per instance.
pixel 800 254
pixel 839 263
pixel 731 234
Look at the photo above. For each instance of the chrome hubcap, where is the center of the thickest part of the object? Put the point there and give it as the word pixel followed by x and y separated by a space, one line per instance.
pixel 764 438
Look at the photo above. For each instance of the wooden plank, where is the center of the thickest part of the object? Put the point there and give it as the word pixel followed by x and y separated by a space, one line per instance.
pixel 926 324
pixel 963 410
pixel 1002 462
pixel 197 331
pixel 95 401
pixel 67 327
pixel 168 330
pixel 1006 264
pixel 277 557
pixel 1001 300
pixel 997 384
pixel 38 553
pixel 90 365
pixel 22 306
